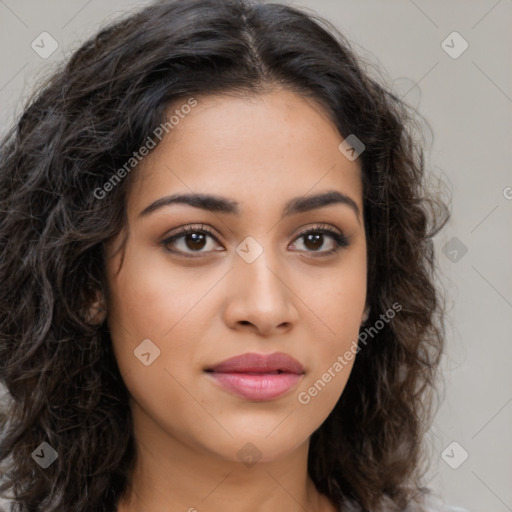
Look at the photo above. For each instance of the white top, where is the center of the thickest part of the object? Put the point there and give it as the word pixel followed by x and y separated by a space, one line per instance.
pixel 435 504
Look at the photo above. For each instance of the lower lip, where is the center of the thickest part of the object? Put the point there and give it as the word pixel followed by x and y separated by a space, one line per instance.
pixel 264 386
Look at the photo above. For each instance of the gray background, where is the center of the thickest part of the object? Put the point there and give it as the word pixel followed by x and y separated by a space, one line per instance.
pixel 467 101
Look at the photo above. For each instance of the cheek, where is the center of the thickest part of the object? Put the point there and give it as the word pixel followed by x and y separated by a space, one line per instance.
pixel 338 302
pixel 146 311
pixel 335 302
pixel 152 299
pixel 318 396
pixel 328 377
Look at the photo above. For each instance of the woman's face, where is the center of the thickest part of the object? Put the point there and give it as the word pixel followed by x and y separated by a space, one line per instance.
pixel 246 279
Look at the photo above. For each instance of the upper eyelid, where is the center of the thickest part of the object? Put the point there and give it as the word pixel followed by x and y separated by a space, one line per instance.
pixel 202 227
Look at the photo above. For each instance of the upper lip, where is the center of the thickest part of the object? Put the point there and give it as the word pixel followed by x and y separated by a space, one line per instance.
pixel 259 363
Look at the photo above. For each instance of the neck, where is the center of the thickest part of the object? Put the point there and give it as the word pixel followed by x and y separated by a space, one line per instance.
pixel 171 474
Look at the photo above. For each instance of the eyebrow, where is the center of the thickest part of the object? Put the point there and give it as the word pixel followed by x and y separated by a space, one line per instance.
pixel 219 204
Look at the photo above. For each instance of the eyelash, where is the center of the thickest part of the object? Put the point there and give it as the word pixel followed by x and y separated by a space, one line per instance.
pixel 340 240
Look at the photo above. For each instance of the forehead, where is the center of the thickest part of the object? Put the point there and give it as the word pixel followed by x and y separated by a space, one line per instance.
pixel 261 150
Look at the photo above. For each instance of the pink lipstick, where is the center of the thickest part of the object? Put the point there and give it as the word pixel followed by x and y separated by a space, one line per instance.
pixel 258 377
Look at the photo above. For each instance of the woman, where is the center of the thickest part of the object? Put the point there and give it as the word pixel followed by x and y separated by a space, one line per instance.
pixel 216 250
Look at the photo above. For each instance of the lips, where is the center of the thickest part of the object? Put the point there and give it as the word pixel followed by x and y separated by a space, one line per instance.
pixel 257 377
pixel 259 363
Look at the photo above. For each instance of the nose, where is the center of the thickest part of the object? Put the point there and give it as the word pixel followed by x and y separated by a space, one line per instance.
pixel 261 297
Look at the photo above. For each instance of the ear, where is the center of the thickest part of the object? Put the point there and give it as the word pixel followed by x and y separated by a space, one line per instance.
pixel 97 311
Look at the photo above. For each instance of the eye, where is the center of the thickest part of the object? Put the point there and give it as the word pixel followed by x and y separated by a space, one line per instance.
pixel 315 238
pixel 192 239
pixel 195 239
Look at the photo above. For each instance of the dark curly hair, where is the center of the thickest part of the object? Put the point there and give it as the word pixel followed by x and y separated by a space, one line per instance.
pixel 64 386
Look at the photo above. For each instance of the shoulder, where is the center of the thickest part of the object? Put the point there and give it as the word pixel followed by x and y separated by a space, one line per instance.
pixel 433 503
pixel 423 502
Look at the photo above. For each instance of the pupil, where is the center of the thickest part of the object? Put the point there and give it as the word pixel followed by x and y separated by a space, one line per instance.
pixel 315 239
pixel 196 241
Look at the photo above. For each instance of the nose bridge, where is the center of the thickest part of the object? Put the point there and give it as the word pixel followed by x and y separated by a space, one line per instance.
pixel 260 295
pixel 258 270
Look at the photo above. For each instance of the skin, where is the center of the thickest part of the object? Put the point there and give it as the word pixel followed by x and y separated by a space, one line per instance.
pixel 261 151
